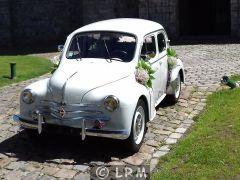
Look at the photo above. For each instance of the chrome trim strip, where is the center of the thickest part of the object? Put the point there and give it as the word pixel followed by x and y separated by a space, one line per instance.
pixel 107 134
pixel 121 134
pixel 160 58
pixel 70 105
pixel 73 111
pixel 90 118
pixel 78 111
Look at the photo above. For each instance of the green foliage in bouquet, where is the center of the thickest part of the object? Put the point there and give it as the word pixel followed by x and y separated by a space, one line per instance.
pixel 172 56
pixel 145 67
pixel 171 53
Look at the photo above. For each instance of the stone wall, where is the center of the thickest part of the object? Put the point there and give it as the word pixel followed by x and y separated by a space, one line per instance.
pixel 235 18
pixel 165 12
pixel 38 22
pixel 5 25
pixel 95 10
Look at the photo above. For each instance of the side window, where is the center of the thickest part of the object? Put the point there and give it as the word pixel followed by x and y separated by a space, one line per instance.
pixel 161 42
pixel 149 48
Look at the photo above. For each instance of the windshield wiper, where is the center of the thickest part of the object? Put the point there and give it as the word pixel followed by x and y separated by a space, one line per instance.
pixel 109 56
pixel 79 50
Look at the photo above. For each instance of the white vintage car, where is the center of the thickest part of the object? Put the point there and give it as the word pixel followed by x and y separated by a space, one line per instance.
pixel 95 91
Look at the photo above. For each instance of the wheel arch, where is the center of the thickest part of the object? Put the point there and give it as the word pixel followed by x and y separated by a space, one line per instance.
pixel 182 76
pixel 144 99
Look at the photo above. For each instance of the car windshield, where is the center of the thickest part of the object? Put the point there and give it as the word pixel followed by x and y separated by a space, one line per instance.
pixel 107 45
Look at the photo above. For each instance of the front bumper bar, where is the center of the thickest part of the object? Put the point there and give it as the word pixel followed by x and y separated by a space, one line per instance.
pixel 39 124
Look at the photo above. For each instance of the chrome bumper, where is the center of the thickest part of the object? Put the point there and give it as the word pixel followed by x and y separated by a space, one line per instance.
pixel 38 125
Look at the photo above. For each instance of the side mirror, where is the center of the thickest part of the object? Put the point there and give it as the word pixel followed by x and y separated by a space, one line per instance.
pixel 60 48
pixel 168 42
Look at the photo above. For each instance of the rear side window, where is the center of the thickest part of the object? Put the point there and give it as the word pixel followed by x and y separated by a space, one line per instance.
pixel 161 42
pixel 149 47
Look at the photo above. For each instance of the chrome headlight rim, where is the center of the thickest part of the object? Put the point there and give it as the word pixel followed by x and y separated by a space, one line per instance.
pixel 114 99
pixel 28 96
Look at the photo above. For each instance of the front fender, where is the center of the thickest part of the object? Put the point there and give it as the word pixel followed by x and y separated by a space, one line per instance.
pixel 128 91
pixel 179 68
pixel 40 89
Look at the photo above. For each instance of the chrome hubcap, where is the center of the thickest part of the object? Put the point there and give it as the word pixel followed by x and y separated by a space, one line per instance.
pixel 139 125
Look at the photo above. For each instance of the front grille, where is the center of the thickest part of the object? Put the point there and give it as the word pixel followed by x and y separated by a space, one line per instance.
pixel 60 111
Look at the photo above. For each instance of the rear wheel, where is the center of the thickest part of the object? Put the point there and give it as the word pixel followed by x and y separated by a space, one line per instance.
pixel 138 128
pixel 173 98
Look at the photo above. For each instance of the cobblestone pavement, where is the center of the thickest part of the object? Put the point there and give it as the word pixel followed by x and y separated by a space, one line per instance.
pixel 64 157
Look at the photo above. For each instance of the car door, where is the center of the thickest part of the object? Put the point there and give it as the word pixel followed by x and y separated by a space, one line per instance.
pixel 149 52
pixel 162 61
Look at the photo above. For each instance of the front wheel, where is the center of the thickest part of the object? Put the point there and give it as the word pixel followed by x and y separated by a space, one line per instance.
pixel 173 98
pixel 138 129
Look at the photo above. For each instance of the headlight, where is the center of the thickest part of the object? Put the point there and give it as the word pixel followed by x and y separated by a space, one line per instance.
pixel 28 96
pixel 111 103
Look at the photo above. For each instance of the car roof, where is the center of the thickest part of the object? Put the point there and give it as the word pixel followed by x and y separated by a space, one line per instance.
pixel 139 27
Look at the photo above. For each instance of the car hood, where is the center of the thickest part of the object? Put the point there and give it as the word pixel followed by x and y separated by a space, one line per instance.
pixel 73 79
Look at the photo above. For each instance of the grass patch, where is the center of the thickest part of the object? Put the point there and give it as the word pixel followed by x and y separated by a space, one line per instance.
pixel 27 67
pixel 212 149
pixel 235 78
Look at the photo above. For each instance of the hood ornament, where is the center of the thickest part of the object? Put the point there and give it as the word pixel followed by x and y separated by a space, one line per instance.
pixel 62 112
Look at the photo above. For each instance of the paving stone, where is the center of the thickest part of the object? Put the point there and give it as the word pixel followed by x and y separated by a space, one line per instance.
pixel 81 168
pixel 65 173
pixel 15 165
pixel 181 130
pixel 114 159
pixel 144 156
pixel 132 160
pixel 31 176
pixel 150 135
pixel 164 148
pixel 4 162
pixel 116 163
pixel 188 121
pixel 175 135
pixel 82 176
pixel 175 122
pixel 153 163
pixel 67 166
pixel 171 141
pixel 50 170
pixel 147 149
pixel 33 167
pixel 159 154
pixel 152 143
pixel 46 177
pixel 162 132
pixel 14 175
pixel 96 163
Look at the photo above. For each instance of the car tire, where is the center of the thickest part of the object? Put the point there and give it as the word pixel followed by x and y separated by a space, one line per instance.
pixel 173 98
pixel 138 129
